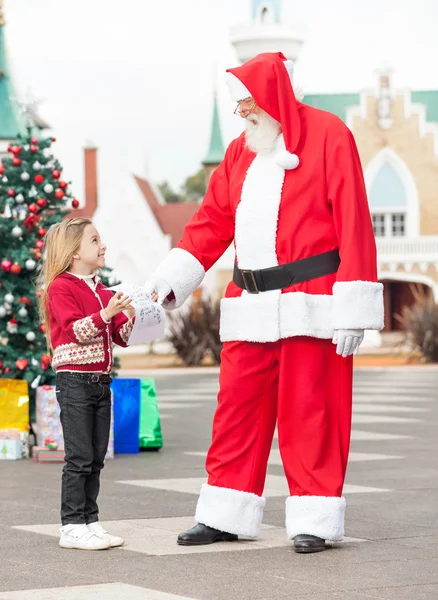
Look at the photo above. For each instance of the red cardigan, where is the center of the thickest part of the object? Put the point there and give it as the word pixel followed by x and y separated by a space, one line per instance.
pixel 81 340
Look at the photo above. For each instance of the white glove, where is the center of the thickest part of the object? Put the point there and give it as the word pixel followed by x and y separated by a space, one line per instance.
pixel 347 341
pixel 159 286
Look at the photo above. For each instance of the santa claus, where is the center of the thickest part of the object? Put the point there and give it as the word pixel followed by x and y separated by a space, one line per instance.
pixel 290 193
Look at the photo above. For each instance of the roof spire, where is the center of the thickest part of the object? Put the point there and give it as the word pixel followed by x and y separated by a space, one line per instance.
pixel 216 150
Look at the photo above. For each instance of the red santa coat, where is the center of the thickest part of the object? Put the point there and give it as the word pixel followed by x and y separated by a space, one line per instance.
pixel 276 216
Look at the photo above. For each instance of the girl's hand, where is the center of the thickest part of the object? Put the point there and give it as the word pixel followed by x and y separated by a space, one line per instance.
pixel 118 303
pixel 154 297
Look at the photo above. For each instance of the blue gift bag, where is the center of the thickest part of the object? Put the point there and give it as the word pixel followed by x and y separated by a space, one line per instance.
pixel 126 415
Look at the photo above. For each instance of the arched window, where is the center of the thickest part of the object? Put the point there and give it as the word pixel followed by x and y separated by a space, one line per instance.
pixel 388 203
pixel 392 195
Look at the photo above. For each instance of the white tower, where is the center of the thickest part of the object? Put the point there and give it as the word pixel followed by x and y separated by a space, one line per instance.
pixel 266 33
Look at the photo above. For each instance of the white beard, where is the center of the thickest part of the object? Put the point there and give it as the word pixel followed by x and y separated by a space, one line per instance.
pixel 261 137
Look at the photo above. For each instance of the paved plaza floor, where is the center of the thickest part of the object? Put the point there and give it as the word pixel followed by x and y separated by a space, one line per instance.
pixel 391 552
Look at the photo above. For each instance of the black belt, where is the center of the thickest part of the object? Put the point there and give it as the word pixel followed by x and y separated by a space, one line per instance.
pixel 88 377
pixel 277 278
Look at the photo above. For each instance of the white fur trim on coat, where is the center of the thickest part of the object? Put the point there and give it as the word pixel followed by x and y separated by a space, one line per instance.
pixel 270 316
pixel 183 272
pixel 358 305
pixel 322 516
pixel 257 214
pixel 230 510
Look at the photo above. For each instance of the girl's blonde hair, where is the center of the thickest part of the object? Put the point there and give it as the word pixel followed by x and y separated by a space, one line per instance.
pixel 61 242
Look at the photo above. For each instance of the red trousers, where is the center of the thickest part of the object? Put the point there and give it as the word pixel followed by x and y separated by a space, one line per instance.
pixel 307 387
pixel 301 384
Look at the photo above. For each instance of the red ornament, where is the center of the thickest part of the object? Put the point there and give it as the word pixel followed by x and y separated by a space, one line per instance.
pixel 39 244
pixel 63 185
pixel 7 369
pixel 43 328
pixel 37 254
pixel 56 174
pixel 6 265
pixel 42 232
pixel 9 148
pixel 33 208
pixel 21 364
pixel 16 150
pixel 39 178
pixel 2 169
pixel 41 202
pixel 59 194
pixel 45 361
pixel 11 192
pixel 15 269
pixel 34 140
pixel 53 139
pixel 16 162
pixel 13 321
pixel 34 148
pixel 1 365
pixel 75 203
pixel 24 300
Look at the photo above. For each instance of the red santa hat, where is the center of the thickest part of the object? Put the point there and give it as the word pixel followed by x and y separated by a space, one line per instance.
pixel 268 79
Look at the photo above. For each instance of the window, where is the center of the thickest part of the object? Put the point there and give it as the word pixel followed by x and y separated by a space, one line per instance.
pixel 389 224
pixel 398 225
pixel 379 225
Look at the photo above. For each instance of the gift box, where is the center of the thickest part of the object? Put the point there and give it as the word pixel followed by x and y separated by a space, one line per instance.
pixel 48 423
pixel 17 435
pixel 41 454
pixel 10 450
pixel 14 404
pixel 126 415
pixel 150 436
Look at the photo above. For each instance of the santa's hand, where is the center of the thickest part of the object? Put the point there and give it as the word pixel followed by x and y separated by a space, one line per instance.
pixel 158 286
pixel 347 341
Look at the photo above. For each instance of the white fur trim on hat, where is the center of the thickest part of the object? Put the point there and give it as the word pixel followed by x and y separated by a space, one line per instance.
pixel 287 160
pixel 237 90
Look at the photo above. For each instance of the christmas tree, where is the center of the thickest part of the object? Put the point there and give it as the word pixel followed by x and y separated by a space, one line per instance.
pixel 33 196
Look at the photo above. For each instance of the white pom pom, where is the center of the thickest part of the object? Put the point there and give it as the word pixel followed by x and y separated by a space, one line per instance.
pixel 287 160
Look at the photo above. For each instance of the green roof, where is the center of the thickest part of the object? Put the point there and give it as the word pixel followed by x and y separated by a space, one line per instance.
pixel 430 99
pixel 216 150
pixel 333 103
pixel 10 122
pixel 338 103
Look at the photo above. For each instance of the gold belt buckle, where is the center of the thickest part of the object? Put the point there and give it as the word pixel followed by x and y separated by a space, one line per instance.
pixel 250 273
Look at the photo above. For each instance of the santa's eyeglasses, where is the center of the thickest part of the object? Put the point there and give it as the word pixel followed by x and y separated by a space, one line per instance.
pixel 245 106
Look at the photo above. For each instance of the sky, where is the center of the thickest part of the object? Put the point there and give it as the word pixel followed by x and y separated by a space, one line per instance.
pixel 136 78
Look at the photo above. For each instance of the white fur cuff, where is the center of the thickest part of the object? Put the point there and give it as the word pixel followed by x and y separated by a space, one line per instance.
pixel 183 272
pixel 322 516
pixel 230 510
pixel 358 305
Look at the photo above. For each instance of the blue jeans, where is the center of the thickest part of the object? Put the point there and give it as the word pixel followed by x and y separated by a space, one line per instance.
pixel 85 401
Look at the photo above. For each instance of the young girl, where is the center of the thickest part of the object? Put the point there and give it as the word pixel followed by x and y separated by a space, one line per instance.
pixel 82 319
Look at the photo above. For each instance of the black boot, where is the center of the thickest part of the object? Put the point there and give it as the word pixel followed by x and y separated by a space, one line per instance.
pixel 308 543
pixel 200 535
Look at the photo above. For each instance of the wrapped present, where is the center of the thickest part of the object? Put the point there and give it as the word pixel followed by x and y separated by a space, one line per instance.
pixel 150 436
pixel 126 415
pixel 17 435
pixel 14 404
pixel 10 450
pixel 48 423
pixel 42 454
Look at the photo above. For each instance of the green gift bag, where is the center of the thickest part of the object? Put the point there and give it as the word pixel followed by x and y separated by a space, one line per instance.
pixel 150 437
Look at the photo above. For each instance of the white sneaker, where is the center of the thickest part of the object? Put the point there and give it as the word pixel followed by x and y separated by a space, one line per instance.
pixel 97 528
pixel 80 537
